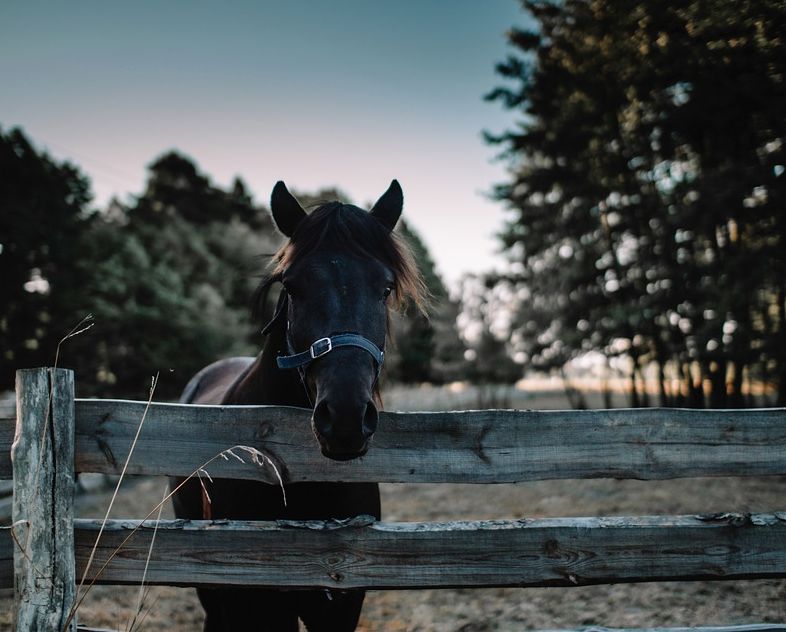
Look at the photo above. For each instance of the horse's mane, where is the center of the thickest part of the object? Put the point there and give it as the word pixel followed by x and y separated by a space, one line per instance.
pixel 354 230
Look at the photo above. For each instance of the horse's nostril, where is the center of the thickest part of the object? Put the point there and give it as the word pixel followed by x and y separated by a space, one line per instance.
pixel 346 427
pixel 370 419
pixel 322 420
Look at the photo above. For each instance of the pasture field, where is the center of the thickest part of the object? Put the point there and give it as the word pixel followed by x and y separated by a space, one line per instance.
pixel 622 605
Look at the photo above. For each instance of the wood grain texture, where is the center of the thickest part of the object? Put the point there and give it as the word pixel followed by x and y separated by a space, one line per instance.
pixel 6 559
pixel 43 463
pixel 752 627
pixel 365 554
pixel 490 446
pixel 7 430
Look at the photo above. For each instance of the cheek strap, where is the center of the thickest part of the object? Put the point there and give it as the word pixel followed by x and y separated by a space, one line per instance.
pixel 281 312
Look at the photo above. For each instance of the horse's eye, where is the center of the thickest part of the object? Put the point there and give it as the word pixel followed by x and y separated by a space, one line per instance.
pixel 388 291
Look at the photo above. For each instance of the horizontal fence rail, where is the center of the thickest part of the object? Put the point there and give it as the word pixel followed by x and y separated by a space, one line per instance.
pixel 361 553
pixel 491 446
pixel 7 429
pixel 753 627
pixel 7 547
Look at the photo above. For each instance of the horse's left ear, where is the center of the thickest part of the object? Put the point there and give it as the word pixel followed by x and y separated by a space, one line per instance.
pixel 287 212
pixel 388 208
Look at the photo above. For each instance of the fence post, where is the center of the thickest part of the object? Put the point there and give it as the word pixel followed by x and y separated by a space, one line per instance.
pixel 43 509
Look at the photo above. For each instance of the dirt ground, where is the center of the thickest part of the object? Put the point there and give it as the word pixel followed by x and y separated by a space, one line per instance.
pixel 622 605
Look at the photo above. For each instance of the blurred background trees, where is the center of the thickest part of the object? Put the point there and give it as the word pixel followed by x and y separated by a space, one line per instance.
pixel 647 192
pixel 167 277
pixel 646 229
pixel 44 213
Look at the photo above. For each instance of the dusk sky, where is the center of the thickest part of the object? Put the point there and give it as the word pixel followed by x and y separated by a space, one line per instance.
pixel 345 93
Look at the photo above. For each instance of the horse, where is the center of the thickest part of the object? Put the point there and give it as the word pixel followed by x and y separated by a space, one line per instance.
pixel 342 271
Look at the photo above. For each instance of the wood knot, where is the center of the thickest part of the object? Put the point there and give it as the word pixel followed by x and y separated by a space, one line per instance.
pixel 336 577
pixel 551 548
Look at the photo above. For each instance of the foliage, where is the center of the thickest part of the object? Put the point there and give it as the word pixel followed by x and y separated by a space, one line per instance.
pixel 43 211
pixel 426 347
pixel 168 276
pixel 172 278
pixel 484 321
pixel 647 190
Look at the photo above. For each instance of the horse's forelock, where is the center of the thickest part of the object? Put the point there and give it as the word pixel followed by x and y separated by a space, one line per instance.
pixel 350 228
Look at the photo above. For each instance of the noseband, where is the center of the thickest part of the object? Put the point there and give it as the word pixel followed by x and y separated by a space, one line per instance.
pixel 323 346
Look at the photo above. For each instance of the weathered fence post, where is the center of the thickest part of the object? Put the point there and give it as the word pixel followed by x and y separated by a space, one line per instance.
pixel 43 465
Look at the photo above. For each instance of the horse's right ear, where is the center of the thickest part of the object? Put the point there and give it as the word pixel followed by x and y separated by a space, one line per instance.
pixel 388 208
pixel 287 212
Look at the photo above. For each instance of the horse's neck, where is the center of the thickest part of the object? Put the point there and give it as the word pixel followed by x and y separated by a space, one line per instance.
pixel 264 383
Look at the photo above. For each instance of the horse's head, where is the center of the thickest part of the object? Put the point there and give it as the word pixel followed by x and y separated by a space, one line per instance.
pixel 341 270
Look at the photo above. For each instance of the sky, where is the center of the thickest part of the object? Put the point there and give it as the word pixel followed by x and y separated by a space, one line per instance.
pixel 344 93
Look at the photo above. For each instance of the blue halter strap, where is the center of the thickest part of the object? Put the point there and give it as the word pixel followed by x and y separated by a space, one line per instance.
pixel 323 346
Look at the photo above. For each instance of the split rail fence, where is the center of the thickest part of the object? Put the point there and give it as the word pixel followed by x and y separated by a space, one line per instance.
pixel 57 436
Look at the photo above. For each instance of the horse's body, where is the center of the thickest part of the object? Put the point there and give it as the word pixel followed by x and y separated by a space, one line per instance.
pixel 339 387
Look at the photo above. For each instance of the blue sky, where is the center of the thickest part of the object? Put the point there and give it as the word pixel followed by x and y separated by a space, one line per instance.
pixel 342 93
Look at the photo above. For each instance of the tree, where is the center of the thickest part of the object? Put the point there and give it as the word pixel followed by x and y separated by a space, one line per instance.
pixel 173 276
pixel 647 189
pixel 43 211
pixel 427 347
pixel 489 364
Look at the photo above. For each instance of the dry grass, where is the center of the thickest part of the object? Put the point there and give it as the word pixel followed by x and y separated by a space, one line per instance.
pixel 257 458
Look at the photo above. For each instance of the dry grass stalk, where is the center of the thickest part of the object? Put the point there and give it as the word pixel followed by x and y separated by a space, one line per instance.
pixel 79 328
pixel 12 528
pixel 153 385
pixel 75 331
pixel 255 454
pixel 143 590
pixel 75 607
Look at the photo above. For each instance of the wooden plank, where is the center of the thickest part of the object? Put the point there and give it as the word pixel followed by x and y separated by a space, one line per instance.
pixel 6 507
pixel 6 559
pixel 751 627
pixel 43 512
pixel 754 627
pixel 460 447
pixel 364 554
pixel 7 429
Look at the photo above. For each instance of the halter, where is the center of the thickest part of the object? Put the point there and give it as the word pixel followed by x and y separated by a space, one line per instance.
pixel 321 347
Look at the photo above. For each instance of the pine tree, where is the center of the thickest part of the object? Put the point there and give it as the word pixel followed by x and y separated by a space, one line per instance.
pixel 647 188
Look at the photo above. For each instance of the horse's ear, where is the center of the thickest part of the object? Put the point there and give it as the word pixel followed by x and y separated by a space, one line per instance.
pixel 388 208
pixel 287 212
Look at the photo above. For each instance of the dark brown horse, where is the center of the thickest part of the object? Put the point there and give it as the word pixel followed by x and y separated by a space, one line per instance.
pixel 341 270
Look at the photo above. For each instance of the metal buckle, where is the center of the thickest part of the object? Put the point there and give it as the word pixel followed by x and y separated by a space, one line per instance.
pixel 317 351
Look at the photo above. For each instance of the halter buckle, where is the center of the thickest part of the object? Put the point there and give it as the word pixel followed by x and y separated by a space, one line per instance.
pixel 321 347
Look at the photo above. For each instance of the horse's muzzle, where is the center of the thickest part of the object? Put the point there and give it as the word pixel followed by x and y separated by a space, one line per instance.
pixel 344 430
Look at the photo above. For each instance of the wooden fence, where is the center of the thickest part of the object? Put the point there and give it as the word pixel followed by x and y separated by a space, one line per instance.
pixel 57 436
